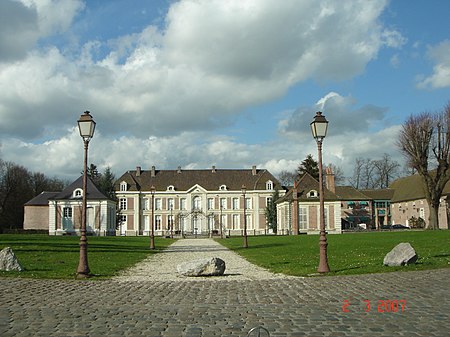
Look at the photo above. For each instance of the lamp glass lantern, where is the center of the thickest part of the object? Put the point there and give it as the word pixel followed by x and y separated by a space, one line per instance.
pixel 86 126
pixel 319 126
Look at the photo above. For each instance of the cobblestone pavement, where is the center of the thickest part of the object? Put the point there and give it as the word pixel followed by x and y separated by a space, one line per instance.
pixel 284 306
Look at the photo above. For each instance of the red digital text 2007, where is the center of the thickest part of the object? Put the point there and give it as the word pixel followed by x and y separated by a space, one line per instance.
pixel 380 306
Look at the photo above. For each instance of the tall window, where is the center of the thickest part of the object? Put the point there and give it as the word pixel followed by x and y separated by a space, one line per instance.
pixel 269 185
pixel 183 203
pixel 158 222
pixel 223 203
pixel 302 218
pixel 123 203
pixel 158 203
pixel 67 212
pixel 268 201
pixel 146 204
pixel 197 202
pixel 235 203
pixel 235 221
pixel 170 204
pixel 170 222
pixel 248 203
pixel 123 186
pixel 210 203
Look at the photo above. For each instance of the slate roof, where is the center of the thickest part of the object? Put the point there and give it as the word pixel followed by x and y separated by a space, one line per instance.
pixel 41 199
pixel 306 184
pixel 210 179
pixel 379 194
pixel 350 193
pixel 93 193
pixel 411 188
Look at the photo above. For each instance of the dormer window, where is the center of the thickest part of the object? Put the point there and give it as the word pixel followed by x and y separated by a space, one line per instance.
pixel 269 185
pixel 123 186
pixel 170 188
pixel 223 187
pixel 78 193
pixel 312 194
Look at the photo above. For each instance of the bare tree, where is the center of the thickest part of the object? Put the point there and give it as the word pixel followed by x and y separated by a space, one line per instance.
pixel 386 170
pixel 339 177
pixel 356 180
pixel 287 178
pixel 425 141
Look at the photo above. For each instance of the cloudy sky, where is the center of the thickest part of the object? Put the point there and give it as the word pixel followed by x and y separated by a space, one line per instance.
pixel 230 83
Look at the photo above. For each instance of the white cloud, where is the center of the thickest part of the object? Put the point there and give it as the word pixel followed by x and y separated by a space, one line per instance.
pixel 160 97
pixel 441 70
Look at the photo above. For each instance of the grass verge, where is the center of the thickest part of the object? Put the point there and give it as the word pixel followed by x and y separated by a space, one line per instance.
pixel 56 257
pixel 359 253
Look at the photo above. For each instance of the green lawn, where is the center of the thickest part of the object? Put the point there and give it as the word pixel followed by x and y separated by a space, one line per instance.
pixel 358 253
pixel 45 256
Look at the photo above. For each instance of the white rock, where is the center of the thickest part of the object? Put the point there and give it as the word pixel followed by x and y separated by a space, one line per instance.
pixel 400 255
pixel 9 261
pixel 204 267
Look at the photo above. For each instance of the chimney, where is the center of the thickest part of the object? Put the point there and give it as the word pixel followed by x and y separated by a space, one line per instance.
pixel 138 171
pixel 329 179
pixel 254 170
pixel 153 171
pixel 213 169
pixel 179 169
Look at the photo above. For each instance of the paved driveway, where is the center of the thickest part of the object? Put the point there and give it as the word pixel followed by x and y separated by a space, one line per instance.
pixel 419 305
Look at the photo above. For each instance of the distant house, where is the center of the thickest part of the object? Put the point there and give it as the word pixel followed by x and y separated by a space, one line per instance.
pixel 381 206
pixel 356 208
pixel 60 212
pixel 409 202
pixel 194 202
pixel 298 211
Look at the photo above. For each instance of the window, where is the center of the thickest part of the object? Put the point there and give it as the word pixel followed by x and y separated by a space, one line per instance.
pixel 268 201
pixel 123 186
pixel 223 187
pixel 235 221
pixel 183 203
pixel 223 203
pixel 197 202
pixel 269 185
pixel 248 203
pixel 302 218
pixel 170 204
pixel 78 193
pixel 157 222
pixel 312 194
pixel 210 203
pixel 67 212
pixel 235 203
pixel 211 223
pixel 123 203
pixel 170 222
pixel 158 203
pixel 146 204
pixel 170 188
pixel 122 219
pixel 248 219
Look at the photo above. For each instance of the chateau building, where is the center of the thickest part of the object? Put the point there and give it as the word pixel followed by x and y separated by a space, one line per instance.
pixel 194 202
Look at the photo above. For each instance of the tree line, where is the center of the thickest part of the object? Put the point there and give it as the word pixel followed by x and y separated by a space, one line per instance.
pixel 18 185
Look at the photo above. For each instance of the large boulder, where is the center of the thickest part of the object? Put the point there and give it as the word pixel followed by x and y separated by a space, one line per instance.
pixel 9 261
pixel 400 255
pixel 203 267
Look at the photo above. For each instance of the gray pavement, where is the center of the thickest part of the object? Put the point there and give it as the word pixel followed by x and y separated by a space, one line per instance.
pixel 284 306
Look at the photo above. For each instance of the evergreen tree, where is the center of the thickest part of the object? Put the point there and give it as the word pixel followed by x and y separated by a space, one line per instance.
pixel 271 212
pixel 309 165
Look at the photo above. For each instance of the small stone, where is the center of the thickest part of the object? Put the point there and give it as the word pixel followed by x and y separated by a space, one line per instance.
pixel 9 261
pixel 402 254
pixel 204 267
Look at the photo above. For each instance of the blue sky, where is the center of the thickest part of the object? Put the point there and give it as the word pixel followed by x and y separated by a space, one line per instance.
pixel 196 83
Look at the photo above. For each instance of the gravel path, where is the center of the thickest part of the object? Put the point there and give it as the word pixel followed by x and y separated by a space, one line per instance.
pixel 163 266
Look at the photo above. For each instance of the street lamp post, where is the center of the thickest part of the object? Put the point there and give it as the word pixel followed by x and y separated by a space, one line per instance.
pixel 244 190
pixel 319 130
pixel 86 126
pixel 152 231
